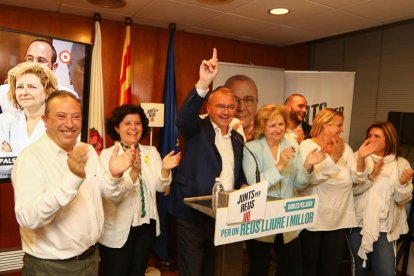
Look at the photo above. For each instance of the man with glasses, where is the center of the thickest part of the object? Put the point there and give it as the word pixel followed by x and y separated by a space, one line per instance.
pixel 244 90
pixel 212 149
pixel 40 51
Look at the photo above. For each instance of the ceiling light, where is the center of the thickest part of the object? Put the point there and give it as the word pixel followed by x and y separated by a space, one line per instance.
pixel 108 3
pixel 279 11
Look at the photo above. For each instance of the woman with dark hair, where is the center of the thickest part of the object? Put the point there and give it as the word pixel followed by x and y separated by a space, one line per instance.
pixel 131 217
pixel 379 202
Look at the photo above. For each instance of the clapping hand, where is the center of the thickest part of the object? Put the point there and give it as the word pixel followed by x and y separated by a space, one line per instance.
pixel 368 148
pixel 77 160
pixel 136 165
pixel 314 157
pixel 6 147
pixel 285 156
pixel 171 161
pixel 406 175
pixel 118 164
pixel 338 147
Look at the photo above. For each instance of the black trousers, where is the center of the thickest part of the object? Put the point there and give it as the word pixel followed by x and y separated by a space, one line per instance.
pixel 322 252
pixel 288 261
pixel 196 250
pixel 132 258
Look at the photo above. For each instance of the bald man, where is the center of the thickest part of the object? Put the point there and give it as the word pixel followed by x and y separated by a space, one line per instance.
pixel 244 90
pixel 42 52
pixel 212 149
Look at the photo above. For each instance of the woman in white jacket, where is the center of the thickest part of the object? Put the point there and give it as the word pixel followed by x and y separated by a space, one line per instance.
pixel 332 180
pixel 131 217
pixel 379 203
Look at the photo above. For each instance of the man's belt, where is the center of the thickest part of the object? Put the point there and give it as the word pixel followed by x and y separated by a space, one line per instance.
pixel 85 254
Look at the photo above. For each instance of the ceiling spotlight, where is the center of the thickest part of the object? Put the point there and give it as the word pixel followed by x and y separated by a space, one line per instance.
pixel 108 3
pixel 279 11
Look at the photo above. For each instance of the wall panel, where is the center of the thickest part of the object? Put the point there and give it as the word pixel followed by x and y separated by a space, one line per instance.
pixel 148 51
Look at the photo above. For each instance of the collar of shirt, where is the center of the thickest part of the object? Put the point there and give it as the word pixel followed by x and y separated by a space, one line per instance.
pixel 217 130
pixel 55 147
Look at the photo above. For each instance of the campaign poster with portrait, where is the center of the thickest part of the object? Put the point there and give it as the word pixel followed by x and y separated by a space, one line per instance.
pixel 71 69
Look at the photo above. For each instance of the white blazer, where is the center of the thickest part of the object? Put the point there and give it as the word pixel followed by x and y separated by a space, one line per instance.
pixel 121 201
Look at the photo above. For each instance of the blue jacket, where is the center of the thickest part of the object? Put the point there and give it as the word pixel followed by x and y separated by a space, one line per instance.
pixel 201 162
pixel 282 185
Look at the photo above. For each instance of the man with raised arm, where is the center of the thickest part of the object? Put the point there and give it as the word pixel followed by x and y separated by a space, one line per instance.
pixel 211 149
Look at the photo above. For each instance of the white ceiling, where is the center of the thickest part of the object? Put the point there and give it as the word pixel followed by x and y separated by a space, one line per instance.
pixel 245 20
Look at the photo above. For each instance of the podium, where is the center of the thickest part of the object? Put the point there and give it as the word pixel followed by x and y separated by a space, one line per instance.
pixel 249 214
pixel 228 257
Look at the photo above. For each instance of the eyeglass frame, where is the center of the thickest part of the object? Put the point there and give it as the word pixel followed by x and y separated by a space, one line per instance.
pixel 248 101
pixel 222 107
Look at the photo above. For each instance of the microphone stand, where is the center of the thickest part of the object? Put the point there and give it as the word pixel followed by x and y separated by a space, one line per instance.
pixel 254 158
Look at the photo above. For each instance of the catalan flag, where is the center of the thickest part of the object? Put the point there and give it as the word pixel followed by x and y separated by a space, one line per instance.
pixel 96 124
pixel 124 91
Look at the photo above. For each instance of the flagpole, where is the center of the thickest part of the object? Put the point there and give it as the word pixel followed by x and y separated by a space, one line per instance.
pixel 151 136
pixel 96 124
pixel 167 142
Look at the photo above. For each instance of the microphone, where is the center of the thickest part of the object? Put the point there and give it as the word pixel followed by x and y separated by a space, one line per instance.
pixel 254 157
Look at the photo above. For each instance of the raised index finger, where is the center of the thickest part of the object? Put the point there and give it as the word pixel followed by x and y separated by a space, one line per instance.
pixel 214 53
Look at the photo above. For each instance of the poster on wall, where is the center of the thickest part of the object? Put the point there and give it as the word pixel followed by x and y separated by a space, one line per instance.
pixel 252 87
pixel 269 81
pixel 274 85
pixel 323 89
pixel 70 63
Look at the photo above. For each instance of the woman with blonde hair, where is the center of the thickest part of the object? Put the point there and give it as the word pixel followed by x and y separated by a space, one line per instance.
pixel 281 165
pixel 30 84
pixel 379 202
pixel 332 180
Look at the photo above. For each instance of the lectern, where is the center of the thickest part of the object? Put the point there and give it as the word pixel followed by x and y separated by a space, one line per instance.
pixel 228 257
pixel 248 214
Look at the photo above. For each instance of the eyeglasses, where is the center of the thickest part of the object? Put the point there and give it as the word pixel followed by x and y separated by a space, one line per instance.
pixel 221 107
pixel 248 101
pixel 39 60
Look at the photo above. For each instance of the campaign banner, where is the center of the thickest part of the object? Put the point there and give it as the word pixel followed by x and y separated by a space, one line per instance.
pixel 281 216
pixel 248 204
pixel 154 113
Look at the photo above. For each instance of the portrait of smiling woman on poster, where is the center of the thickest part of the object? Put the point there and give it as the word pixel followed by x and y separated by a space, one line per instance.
pixel 33 68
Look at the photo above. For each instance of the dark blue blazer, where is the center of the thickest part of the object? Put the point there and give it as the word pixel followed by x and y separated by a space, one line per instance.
pixel 201 162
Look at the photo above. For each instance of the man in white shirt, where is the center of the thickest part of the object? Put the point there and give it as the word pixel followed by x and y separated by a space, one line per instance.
pixel 212 149
pixel 297 129
pixel 58 186
pixel 39 51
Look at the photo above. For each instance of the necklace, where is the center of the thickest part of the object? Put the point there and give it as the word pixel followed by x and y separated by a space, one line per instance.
pixel 125 147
